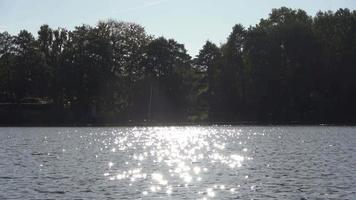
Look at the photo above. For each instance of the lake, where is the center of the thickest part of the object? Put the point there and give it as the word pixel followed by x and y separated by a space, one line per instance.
pixel 195 162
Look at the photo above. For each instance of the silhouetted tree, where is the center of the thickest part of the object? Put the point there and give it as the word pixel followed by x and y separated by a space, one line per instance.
pixel 209 64
pixel 6 66
pixel 290 67
pixel 168 70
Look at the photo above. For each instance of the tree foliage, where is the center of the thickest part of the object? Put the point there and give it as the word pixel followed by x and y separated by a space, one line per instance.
pixel 290 67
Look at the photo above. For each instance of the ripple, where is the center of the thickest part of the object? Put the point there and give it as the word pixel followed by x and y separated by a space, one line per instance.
pixel 213 162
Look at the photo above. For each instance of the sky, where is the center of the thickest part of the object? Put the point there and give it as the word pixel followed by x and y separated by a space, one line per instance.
pixel 191 22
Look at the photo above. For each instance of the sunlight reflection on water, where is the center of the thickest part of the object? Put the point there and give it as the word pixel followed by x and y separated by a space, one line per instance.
pixel 181 157
pixel 198 162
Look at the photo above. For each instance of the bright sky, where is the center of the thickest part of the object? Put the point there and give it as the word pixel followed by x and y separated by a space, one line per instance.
pixel 190 22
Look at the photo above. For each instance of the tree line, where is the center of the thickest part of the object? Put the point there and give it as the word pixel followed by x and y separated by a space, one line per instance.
pixel 290 67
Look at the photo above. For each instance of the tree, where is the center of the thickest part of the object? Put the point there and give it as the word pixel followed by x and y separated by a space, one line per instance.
pixel 290 67
pixel 232 74
pixel 335 33
pixel 6 64
pixel 208 62
pixel 27 71
pixel 168 69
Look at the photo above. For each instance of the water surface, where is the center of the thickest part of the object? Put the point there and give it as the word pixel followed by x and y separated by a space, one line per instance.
pixel 212 162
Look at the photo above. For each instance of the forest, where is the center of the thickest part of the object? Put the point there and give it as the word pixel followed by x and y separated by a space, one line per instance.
pixel 289 68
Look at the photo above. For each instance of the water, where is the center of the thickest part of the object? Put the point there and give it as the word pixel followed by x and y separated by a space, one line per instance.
pixel 213 162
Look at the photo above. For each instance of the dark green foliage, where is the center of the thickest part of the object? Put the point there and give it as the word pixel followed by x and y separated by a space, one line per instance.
pixel 290 67
pixel 168 71
pixel 208 63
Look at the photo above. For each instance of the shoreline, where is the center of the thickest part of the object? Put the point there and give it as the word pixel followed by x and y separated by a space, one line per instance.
pixel 98 125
